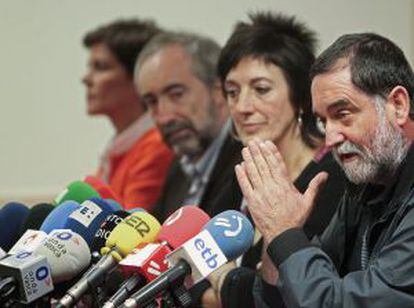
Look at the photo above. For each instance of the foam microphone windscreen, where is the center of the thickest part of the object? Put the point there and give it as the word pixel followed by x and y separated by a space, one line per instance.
pixel 232 232
pixel 136 209
pixel 12 216
pixel 58 217
pixel 137 228
pixel 201 255
pixel 182 225
pixel 148 260
pixel 76 191
pixel 88 217
pixel 114 204
pixel 36 217
pixel 103 189
pixel 67 254
pixel 225 237
pixel 106 228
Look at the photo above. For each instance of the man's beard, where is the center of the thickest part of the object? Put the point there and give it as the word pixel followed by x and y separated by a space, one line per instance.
pixel 379 159
pixel 192 144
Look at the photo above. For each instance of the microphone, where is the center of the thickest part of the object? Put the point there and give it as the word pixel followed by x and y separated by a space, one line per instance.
pixel 137 228
pixel 61 257
pixel 136 209
pixel 147 262
pixel 67 254
pixel 86 219
pixel 227 236
pixel 57 218
pixel 115 205
pixel 83 219
pixel 37 214
pixel 12 216
pixel 25 277
pixel 103 189
pixel 30 236
pixel 104 231
pixel 29 241
pixel 182 225
pixel 76 191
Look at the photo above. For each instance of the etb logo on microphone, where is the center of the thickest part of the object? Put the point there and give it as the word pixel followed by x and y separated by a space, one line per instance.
pixel 233 226
pixel 205 253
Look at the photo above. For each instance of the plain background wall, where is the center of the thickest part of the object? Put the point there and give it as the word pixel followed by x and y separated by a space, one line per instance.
pixel 46 139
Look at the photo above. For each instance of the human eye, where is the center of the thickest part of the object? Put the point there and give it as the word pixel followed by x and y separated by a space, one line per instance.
pixel 100 66
pixel 176 93
pixel 342 114
pixel 230 91
pixel 261 89
pixel 149 101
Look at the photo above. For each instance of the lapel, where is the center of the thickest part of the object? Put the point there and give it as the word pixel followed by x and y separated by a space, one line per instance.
pixel 223 171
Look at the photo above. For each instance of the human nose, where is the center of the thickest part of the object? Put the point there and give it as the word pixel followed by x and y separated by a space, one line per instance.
pixel 87 79
pixel 164 112
pixel 333 135
pixel 244 103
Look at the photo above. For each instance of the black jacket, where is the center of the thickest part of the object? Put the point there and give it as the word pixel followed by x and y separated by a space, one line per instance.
pixel 177 184
pixel 327 275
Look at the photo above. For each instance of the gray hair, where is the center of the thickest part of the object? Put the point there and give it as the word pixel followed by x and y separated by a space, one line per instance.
pixel 204 53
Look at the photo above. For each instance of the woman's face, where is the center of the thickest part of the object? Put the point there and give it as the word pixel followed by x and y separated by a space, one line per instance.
pixel 258 97
pixel 109 87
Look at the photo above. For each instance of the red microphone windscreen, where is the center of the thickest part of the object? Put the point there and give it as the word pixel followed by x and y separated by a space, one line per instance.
pixel 183 224
pixel 103 189
pixel 147 260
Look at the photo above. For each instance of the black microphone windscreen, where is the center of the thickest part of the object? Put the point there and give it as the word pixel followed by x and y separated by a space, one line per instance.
pixel 37 215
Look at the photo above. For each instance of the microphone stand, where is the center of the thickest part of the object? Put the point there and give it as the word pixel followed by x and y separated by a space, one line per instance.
pixel 176 296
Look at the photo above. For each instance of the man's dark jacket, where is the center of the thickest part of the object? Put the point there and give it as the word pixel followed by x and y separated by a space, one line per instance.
pixel 332 273
pixel 177 184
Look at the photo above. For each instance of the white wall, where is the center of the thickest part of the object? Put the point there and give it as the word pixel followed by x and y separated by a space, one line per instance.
pixel 46 140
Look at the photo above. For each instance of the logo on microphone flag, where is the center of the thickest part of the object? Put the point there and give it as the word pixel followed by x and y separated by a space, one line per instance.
pixel 233 227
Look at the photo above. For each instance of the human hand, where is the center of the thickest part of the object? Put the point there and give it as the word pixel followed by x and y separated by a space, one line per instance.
pixel 209 299
pixel 274 202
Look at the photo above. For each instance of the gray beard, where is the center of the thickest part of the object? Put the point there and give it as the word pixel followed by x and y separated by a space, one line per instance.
pixel 377 161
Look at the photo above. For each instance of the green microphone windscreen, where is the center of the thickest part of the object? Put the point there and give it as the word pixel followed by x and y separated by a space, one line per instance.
pixel 76 191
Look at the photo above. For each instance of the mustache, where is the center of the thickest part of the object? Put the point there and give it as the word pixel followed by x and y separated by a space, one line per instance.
pixel 170 128
pixel 348 147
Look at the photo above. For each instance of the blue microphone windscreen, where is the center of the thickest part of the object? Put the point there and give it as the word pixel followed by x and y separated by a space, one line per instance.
pixel 136 209
pixel 115 205
pixel 232 232
pixel 57 218
pixel 87 219
pixel 12 216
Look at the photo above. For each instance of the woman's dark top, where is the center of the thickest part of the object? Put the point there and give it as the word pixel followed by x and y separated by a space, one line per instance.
pixel 238 285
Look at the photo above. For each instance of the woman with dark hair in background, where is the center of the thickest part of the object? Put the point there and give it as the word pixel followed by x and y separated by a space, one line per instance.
pixel 135 160
pixel 264 70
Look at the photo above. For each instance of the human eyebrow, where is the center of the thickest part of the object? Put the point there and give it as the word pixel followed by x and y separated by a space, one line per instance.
pixel 172 87
pixel 338 105
pixel 259 79
pixel 332 108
